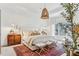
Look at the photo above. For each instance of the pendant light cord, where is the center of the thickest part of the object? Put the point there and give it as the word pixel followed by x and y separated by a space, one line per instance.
pixel 44 5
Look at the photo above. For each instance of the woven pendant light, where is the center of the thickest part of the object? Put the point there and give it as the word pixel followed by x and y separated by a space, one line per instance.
pixel 44 14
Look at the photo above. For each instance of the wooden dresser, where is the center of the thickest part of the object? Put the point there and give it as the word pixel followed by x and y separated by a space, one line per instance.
pixel 13 39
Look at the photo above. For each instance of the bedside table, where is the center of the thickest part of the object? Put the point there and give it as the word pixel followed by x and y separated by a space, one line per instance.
pixel 13 39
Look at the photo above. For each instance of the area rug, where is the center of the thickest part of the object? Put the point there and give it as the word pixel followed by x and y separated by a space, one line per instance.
pixel 23 50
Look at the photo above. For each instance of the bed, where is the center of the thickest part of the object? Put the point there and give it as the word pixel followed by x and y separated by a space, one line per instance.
pixel 28 41
pixel 34 41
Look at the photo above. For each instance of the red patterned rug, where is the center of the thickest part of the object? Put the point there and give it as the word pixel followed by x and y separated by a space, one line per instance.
pixel 25 51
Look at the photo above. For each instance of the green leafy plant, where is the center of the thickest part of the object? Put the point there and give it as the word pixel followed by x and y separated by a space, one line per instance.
pixel 69 14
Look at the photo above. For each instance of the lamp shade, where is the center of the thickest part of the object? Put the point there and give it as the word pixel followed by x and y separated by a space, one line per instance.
pixel 44 14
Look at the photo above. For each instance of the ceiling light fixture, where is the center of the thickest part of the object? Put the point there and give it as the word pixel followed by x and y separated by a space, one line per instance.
pixel 44 14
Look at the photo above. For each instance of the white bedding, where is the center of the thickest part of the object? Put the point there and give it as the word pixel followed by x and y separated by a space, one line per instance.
pixel 43 39
pixel 38 39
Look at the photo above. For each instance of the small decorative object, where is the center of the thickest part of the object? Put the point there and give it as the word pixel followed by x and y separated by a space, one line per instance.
pixel 12 25
pixel 12 29
pixel 11 32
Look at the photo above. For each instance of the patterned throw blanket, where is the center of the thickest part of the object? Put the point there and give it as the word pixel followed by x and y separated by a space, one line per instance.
pixel 23 50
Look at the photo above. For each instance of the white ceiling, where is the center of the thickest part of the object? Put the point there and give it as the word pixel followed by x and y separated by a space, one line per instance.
pixel 26 14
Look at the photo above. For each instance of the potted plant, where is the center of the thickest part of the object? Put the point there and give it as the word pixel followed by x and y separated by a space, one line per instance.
pixel 69 14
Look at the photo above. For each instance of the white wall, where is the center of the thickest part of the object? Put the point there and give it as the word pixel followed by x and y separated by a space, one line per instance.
pixel 25 14
pixel 4 32
pixel 28 14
